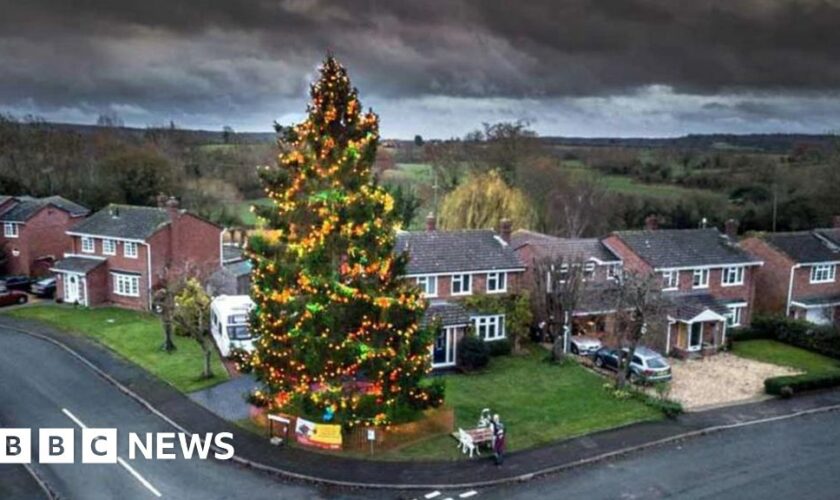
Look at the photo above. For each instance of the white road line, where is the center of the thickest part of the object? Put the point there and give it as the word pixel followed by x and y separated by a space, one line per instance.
pixel 433 494
pixel 468 494
pixel 120 461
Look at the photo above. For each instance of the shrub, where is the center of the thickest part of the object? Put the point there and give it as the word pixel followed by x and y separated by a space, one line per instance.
pixel 473 353
pixel 436 390
pixel 242 359
pixel 789 385
pixel 499 347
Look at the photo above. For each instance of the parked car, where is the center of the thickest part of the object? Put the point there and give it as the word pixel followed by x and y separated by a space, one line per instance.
pixel 44 288
pixel 646 366
pixel 16 282
pixel 12 297
pixel 583 345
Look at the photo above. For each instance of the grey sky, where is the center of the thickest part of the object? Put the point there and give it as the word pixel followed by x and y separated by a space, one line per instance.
pixel 438 68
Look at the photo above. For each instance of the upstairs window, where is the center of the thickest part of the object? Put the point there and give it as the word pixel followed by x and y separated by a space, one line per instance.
pixel 109 247
pixel 700 279
pixel 670 280
pixel 130 249
pixel 823 273
pixel 613 271
pixel 496 282
pixel 461 284
pixel 428 285
pixel 88 245
pixel 588 271
pixel 732 276
pixel 10 230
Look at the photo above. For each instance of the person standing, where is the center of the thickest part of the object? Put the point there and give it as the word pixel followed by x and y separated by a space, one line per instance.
pixel 498 439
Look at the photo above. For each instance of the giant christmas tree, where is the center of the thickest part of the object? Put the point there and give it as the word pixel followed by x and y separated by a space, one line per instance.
pixel 338 330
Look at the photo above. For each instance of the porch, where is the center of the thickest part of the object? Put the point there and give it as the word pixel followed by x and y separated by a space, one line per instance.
pixel 823 310
pixel 79 280
pixel 696 326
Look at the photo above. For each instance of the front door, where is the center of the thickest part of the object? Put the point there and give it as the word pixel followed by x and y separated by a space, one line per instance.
pixel 443 350
pixel 695 340
pixel 71 288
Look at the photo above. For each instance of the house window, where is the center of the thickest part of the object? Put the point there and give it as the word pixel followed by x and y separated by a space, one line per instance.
pixel 588 270
pixel 734 317
pixel 428 285
pixel 823 273
pixel 461 284
pixel 109 247
pixel 670 280
pixel 10 230
pixel 613 271
pixel 701 278
pixel 489 327
pixel 130 249
pixel 496 282
pixel 127 285
pixel 88 245
pixel 563 275
pixel 732 276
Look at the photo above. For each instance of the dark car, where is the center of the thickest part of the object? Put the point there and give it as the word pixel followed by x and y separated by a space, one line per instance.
pixel 44 288
pixel 647 365
pixel 11 297
pixel 15 282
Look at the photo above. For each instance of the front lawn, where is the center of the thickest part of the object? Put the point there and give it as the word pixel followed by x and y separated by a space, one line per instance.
pixel 539 403
pixel 136 336
pixel 778 353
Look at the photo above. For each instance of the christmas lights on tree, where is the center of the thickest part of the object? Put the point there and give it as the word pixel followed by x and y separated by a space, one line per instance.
pixel 337 325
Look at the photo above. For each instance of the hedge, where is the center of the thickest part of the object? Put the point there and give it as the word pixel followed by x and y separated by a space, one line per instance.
pixel 822 339
pixel 800 383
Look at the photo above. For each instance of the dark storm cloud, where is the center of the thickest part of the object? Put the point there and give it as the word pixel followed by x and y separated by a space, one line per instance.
pixel 203 60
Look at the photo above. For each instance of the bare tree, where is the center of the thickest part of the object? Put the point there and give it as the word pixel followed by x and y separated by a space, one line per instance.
pixel 576 202
pixel 641 312
pixel 560 283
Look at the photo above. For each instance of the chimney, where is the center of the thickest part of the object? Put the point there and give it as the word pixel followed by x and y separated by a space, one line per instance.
pixel 730 227
pixel 431 222
pixel 115 211
pixel 651 222
pixel 161 200
pixel 505 229
pixel 835 221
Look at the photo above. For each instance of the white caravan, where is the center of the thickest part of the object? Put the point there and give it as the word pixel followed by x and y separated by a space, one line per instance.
pixel 229 323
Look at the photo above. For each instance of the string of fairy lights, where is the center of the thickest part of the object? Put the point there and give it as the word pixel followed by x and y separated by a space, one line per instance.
pixel 338 327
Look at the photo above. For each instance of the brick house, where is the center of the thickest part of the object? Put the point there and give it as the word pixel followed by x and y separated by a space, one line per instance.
pixel 452 265
pixel 708 278
pixel 33 232
pixel 799 278
pixel 119 254
pixel 595 312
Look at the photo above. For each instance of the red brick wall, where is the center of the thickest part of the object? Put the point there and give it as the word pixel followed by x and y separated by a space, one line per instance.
pixel 802 286
pixel 42 235
pixel 196 241
pixel 632 262
pixel 772 279
pixel 515 283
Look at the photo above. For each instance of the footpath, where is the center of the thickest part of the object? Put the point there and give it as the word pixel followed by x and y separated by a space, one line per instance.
pixel 298 464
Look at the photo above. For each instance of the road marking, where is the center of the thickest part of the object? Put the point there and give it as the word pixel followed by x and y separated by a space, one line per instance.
pixel 120 461
pixel 433 494
pixel 468 494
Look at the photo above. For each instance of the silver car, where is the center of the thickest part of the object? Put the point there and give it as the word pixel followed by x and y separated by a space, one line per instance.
pixel 584 346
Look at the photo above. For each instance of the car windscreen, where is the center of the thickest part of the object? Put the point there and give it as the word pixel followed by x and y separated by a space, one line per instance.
pixel 657 363
pixel 238 332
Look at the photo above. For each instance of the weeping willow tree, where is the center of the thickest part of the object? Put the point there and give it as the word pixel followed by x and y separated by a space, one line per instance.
pixel 482 201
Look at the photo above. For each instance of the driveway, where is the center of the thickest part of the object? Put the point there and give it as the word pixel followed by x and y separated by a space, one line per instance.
pixel 721 380
pixel 227 399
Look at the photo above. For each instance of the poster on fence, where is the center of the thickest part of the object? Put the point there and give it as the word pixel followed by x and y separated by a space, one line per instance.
pixel 326 436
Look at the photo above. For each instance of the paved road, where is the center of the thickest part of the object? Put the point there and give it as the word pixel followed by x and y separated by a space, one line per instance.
pixel 795 458
pixel 39 381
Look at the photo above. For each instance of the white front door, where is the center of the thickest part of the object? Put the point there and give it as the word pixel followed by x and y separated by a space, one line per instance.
pixel 71 288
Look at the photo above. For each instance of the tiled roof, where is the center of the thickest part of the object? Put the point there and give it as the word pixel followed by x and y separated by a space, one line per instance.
pixel 832 235
pixel 231 253
pixel 803 247
pixel 448 313
pixel 597 299
pixel 570 248
pixel 688 305
pixel 432 252
pixel 670 248
pixel 820 300
pixel 77 264
pixel 124 221
pixel 27 207
pixel 239 268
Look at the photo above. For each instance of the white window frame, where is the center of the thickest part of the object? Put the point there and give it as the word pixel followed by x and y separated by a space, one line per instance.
pixel 670 280
pixel 613 271
pixel 823 273
pixel 126 285
pixel 588 271
pixel 703 282
pixel 109 247
pixel 133 246
pixel 428 285
pixel 727 278
pixel 734 317
pixel 496 321
pixel 88 244
pixel 499 281
pixel 11 230
pixel 462 280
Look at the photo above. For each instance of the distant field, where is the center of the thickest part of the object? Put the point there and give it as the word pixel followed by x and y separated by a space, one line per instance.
pixel 409 174
pixel 621 184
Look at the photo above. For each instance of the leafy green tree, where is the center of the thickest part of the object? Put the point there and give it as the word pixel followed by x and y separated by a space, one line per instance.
pixel 482 201
pixel 337 325
pixel 191 319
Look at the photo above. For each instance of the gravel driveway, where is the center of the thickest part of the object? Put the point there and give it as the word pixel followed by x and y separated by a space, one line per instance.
pixel 721 379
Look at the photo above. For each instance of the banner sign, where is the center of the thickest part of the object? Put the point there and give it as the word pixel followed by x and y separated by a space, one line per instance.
pixel 326 436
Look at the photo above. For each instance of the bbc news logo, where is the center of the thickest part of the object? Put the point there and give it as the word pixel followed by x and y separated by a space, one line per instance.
pixel 99 446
